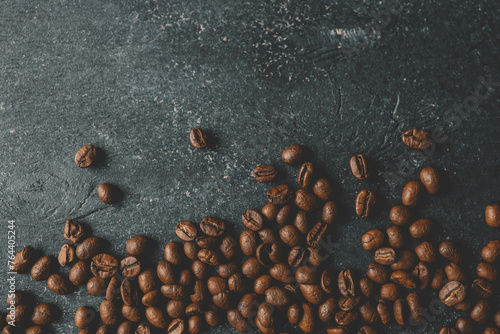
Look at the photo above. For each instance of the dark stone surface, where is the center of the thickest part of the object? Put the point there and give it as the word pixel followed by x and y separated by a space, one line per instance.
pixel 133 77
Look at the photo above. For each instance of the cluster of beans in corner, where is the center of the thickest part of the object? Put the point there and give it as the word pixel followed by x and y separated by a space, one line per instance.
pixel 273 278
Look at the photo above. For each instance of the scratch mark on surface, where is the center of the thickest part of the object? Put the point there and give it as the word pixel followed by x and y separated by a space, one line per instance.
pixel 395 107
pixel 340 105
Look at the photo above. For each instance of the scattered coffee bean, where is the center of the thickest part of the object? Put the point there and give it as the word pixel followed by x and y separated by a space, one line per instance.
pixel 368 313
pixel 406 260
pixel 482 288
pixel 306 175
pixel 450 251
pixel 412 192
pixel 326 311
pixel 421 228
pixel 307 323
pixel 487 271
pixel 395 237
pixel 104 265
pixel 59 284
pixel 278 296
pixel 378 273
pixel 373 240
pixel 385 256
pixel 422 273
pixel 43 314
pixel 365 201
pixel 413 302
pixel 344 318
pixel 452 293
pixel 43 268
pixel 85 156
pixel 454 272
pixel 492 215
pixel 481 311
pixel 400 215
pixel 390 291
pixel 236 320
pixel 137 245
pixel 270 211
pixel 384 311
pixel 366 287
pixel 346 284
pixel 186 231
pixel 88 248
pixel 157 317
pixel 130 266
pixel 404 279
pixel 84 316
pixel 264 173
pixel 213 227
pixel 96 286
pixel 491 252
pixel 448 330
pixel 252 220
pixel 279 195
pixel 425 252
pixel 66 255
pixel 305 200
pixel 359 167
pixel 323 189
pixel 198 138
pixel 400 311
pixel 80 273
pixel 439 279
pixel 465 325
pixel 73 231
pixel 229 247
pixel 173 253
pixel 293 154
pixel 108 193
pixel 330 212
pixel 417 139
pixel 431 180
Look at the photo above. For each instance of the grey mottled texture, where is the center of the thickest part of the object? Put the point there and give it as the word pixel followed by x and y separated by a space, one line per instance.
pixel 132 77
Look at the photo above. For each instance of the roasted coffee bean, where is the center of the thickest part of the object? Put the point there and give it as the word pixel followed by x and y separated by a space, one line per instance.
pixel 422 273
pixel 465 325
pixel 438 280
pixel 448 330
pixel 373 240
pixel 384 311
pixel 177 326
pixel 307 275
pixel 413 302
pixel 323 189
pixel 298 256
pixel 344 318
pixel 385 256
pixel 481 311
pixel 425 252
pixel 130 292
pixel 19 315
pixel 88 248
pixel 285 215
pixel 209 257
pixel 404 278
pixel 412 192
pixel 212 316
pixel 280 194
pixel 199 293
pixel 157 317
pixel 108 193
pixel 251 268
pixel 326 310
pixel 174 291
pixel 293 154
pixel 213 227
pixel 491 252
pixel 492 215
pixel 43 314
pixel 395 237
pixel 105 329
pixel 191 250
pixel 431 180
pixel 306 175
pixel 491 330
pixel 400 311
pixel 165 272
pixel 367 330
pixel 73 231
pixel 337 330
pixel 417 139
pixel 487 271
pixel 85 156
pixel 307 323
pixel 278 296
pixel 110 312
pixel 236 320
pixel 198 138
pixel 252 220
pixel 348 303
pixel 226 270
pixel 216 285
pixel 35 330
pixel 406 261
pixel 378 273
pixel 59 284
pixel 173 253
pixel 365 201
pixel 328 281
pixel 452 293
pixel 208 242
pixel 198 268
pixel 281 272
pixel 126 327
pixel 186 231
pixel 248 304
pixel 151 298
pixel 400 215
pixel 482 288
pixel 450 251
pixel 267 236
pixel 301 221
pixel 104 265
pixel 347 287
pixel 66 255
pixel 130 266
pixel 80 273
pixel 465 305
pixel 389 291
pixel 23 260
pixel 84 316
pixel 270 211
pixel 96 286
pixel 312 293
pixel 294 314
pixel 305 200
pixel 143 329
pixel 195 324
pixel 137 245
pixel 290 235
pixel 366 287
pixel 421 228
pixel 262 283
pixel 369 313
pixel 185 277
pixel 317 234
pixel 229 247
pixel 330 212
pixel 265 315
pixel 176 308
pixel 264 173
pixel 359 167
pixel 496 318
pixel 224 300
pixel 454 272
pixel 43 268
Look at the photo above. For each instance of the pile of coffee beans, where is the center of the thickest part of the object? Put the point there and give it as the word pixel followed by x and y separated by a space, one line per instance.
pixel 275 276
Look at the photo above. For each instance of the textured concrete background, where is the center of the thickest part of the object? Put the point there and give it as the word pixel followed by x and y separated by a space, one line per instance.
pixel 341 77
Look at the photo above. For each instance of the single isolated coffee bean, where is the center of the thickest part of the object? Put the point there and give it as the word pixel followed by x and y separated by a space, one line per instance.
pixel 306 175
pixel 186 231
pixel 365 201
pixel 43 268
pixel 137 245
pixel 73 231
pixel 452 293
pixel 421 228
pixel 412 192
pixel 293 154
pixel 400 215
pixel 491 252
pixel 359 167
pixel 104 265
pixel 264 173
pixel 108 193
pixel 198 138
pixel 429 177
pixel 492 215
pixel 373 240
pixel 417 139
pixel 85 156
